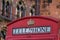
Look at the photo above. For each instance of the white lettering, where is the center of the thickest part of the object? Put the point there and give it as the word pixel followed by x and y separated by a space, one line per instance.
pixel 32 30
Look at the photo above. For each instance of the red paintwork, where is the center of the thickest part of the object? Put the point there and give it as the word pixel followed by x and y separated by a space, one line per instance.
pixel 39 21
pixel 59 29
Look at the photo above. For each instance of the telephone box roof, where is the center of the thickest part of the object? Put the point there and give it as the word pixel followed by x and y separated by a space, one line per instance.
pixel 41 17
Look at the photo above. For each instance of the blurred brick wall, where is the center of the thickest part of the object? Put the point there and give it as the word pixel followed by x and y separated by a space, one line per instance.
pixel 54 11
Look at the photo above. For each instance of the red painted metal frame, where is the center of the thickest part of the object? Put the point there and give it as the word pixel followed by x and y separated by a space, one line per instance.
pixel 43 17
pixel 39 21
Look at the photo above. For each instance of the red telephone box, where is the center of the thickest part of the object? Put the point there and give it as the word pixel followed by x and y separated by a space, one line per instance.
pixel 33 28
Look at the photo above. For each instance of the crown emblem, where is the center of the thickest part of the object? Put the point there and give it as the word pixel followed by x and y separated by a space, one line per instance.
pixel 30 22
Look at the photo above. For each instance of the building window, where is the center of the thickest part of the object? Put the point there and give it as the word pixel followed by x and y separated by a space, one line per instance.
pixel 3 7
pixel 7 9
pixel 32 10
pixel 21 9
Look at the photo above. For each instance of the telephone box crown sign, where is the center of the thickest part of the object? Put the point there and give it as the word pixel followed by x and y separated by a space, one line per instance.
pixel 31 22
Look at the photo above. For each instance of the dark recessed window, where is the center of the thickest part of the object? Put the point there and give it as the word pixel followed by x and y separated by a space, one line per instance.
pixel 7 9
pixel 32 10
pixel 21 9
pixel 3 6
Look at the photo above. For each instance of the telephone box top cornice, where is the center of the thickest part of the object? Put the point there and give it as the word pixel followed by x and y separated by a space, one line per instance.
pixel 39 17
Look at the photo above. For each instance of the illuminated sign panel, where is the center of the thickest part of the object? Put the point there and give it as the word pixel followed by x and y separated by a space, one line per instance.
pixel 31 30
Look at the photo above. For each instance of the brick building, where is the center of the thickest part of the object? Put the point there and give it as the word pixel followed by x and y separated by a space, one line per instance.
pixel 42 7
pixel 10 10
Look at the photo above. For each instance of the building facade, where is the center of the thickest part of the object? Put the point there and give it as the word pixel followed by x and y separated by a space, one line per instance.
pixel 13 9
pixel 36 8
